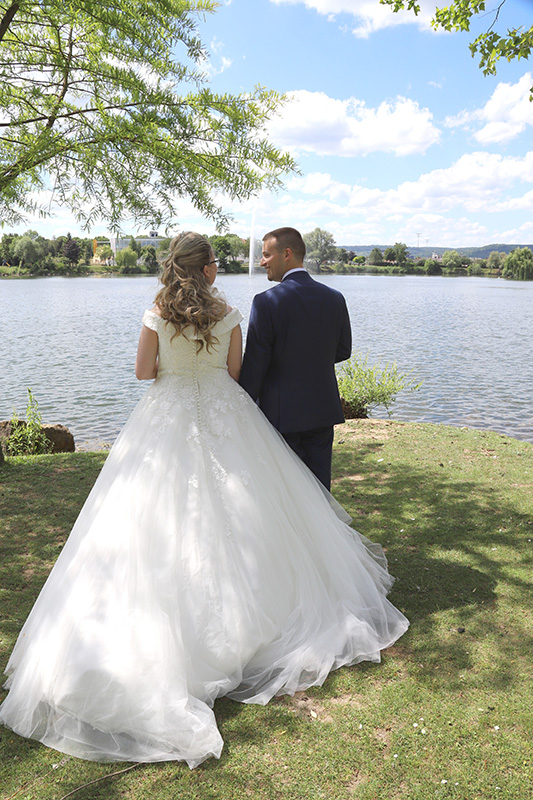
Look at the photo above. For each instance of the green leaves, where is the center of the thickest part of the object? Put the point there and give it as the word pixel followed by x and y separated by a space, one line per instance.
pixel 97 110
pixel 320 247
pixel 363 387
pixel 490 46
pixel 518 264
pixel 27 437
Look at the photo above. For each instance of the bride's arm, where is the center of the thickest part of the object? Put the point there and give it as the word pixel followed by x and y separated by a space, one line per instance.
pixel 146 361
pixel 235 353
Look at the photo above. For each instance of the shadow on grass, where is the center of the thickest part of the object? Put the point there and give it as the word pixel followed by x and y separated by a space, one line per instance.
pixel 439 531
pixel 441 558
pixel 451 544
pixel 40 499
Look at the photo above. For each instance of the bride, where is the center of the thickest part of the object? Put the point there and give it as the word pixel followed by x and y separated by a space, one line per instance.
pixel 207 561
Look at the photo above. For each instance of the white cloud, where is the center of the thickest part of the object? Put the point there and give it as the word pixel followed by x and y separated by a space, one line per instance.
pixel 210 68
pixel 505 115
pixel 473 201
pixel 460 120
pixel 474 182
pixel 523 203
pixel 520 235
pixel 369 15
pixel 449 207
pixel 313 122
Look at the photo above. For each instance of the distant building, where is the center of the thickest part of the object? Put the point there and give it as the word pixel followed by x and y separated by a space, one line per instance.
pixel 121 242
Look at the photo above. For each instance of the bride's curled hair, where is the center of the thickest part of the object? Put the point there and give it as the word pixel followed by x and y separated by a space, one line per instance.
pixel 186 298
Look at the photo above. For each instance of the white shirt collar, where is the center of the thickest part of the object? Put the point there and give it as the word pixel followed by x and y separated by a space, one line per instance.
pixel 296 269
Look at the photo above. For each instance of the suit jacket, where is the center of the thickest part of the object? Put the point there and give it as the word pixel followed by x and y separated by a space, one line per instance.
pixel 297 331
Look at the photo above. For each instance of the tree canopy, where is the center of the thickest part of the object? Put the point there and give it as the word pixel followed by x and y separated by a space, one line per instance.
pixel 97 111
pixel 227 249
pixel 320 247
pixel 452 259
pixel 519 264
pixel 397 253
pixel 490 46
pixel 375 256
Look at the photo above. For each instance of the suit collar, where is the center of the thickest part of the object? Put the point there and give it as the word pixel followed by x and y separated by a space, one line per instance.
pixel 300 276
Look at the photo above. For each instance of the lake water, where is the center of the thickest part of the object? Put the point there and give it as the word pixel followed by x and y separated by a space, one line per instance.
pixel 73 341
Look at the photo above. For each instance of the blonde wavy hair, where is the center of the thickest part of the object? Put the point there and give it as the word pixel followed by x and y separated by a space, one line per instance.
pixel 186 298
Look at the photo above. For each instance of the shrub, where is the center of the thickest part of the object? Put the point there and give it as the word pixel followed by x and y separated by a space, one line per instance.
pixel 363 387
pixel 27 438
pixel 127 261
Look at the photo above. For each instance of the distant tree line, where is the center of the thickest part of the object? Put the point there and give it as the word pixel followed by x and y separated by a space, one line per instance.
pixel 32 254
pixel 323 256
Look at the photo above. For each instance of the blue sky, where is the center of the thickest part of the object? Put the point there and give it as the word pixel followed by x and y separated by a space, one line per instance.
pixel 398 134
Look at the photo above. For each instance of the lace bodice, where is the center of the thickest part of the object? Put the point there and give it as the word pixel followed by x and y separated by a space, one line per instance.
pixel 195 386
pixel 178 355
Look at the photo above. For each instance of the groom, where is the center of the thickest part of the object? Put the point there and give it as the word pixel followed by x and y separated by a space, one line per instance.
pixel 298 329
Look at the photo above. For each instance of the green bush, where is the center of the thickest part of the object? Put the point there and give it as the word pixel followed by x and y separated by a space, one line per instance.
pixel 363 387
pixel 27 438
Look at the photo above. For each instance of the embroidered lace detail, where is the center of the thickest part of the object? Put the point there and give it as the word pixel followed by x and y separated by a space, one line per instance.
pixel 195 388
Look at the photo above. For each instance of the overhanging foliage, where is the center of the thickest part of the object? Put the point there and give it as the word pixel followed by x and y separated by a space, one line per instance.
pixel 490 46
pixel 105 105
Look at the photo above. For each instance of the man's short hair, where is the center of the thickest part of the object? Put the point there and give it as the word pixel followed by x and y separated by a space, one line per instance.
pixel 288 237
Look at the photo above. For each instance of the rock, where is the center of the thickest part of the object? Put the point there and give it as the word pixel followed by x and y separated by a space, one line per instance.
pixel 5 433
pixel 352 411
pixel 60 436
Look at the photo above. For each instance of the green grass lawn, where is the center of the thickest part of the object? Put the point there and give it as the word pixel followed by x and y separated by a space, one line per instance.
pixel 448 712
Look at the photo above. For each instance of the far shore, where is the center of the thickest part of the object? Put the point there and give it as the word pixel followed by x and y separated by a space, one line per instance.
pixel 368 271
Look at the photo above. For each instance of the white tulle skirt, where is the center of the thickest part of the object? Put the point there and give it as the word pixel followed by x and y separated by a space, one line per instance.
pixel 207 561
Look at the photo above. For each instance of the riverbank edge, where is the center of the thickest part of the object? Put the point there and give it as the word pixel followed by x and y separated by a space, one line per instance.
pixel 375 272
pixel 97 446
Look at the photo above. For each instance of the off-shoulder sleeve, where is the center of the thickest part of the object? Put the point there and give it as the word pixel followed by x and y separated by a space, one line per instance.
pixel 230 321
pixel 151 320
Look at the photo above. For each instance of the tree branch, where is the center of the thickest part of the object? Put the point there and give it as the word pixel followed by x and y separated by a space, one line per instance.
pixel 496 15
pixel 78 112
pixel 8 18
pixel 53 116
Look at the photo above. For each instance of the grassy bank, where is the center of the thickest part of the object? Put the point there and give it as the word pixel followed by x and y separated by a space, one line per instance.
pixel 447 713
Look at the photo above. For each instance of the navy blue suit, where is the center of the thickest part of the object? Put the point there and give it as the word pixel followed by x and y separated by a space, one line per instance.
pixel 297 331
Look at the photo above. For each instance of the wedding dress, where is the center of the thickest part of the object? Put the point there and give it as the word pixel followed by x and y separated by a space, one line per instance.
pixel 206 561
